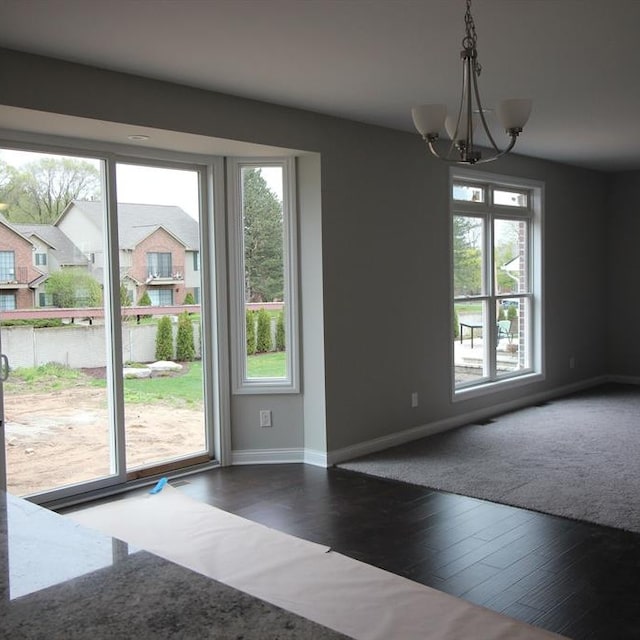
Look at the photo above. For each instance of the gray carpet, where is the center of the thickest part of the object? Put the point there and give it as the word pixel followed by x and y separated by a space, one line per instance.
pixel 577 457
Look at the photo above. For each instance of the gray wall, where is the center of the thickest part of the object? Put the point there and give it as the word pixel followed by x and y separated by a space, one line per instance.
pixel 623 302
pixel 382 283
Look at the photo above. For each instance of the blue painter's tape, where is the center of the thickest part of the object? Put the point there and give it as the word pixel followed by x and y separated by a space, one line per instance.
pixel 159 486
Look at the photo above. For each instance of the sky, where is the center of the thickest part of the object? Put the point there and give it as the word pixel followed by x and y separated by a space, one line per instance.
pixel 153 185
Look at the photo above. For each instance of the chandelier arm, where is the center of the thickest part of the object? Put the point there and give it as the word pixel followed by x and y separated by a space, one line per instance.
pixel 506 150
pixel 430 140
pixel 483 119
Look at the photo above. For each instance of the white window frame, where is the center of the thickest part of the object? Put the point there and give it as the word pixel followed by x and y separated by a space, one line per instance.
pixel 215 365
pixel 489 212
pixel 241 383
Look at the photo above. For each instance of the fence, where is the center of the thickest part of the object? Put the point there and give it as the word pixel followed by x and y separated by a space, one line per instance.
pixel 81 346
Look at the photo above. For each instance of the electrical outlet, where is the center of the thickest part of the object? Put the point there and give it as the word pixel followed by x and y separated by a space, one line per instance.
pixel 265 418
pixel 414 399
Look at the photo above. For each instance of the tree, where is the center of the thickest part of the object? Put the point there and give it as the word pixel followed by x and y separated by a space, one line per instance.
pixel 125 296
pixel 41 190
pixel 189 299
pixel 164 339
pixel 280 335
pixel 263 342
pixel 467 256
pixel 263 239
pixel 185 349
pixel 73 287
pixel 250 319
pixel 145 300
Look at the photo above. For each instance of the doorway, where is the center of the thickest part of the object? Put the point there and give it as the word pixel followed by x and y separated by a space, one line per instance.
pixel 102 307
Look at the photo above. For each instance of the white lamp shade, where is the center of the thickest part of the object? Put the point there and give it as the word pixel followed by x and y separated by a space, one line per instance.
pixel 452 120
pixel 429 118
pixel 514 113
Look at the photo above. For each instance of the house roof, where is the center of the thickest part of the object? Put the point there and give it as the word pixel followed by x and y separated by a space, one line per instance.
pixel 64 250
pixel 138 221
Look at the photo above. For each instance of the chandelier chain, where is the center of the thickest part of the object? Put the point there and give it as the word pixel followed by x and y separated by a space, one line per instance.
pixel 470 39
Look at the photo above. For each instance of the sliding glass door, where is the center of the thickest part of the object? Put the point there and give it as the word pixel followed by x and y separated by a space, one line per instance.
pixel 101 309
pixel 161 291
pixel 58 430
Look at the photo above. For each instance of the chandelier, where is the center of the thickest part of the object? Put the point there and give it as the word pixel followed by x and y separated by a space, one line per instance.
pixel 430 119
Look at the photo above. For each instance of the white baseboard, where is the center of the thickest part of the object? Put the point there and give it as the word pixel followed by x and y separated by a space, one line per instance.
pixel 321 459
pixel 279 456
pixel 315 458
pixel 415 433
pixel 267 456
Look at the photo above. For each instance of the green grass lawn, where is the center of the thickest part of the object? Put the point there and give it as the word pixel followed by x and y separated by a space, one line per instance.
pixel 181 389
pixel 267 365
pixel 176 389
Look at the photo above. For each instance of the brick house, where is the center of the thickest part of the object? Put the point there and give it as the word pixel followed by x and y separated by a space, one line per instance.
pixel 52 251
pixel 159 248
pixel 19 277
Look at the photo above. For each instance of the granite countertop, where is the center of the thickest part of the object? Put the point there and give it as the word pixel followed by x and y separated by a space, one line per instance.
pixel 60 581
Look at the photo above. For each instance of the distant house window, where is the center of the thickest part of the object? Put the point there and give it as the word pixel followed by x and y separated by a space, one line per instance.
pixel 196 261
pixel 196 295
pixel 41 259
pixel 159 265
pixel 45 300
pixel 161 297
pixel 7 266
pixel 7 301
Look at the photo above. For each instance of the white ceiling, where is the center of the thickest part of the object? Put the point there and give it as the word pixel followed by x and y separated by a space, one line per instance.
pixel 372 60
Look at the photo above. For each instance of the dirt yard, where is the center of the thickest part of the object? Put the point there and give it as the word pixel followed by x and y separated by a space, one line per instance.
pixel 59 438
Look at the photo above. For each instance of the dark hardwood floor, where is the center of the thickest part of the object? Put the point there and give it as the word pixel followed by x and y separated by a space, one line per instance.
pixel 574 578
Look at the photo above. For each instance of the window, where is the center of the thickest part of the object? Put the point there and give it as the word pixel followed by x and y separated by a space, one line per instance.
pixel 45 300
pixel 496 282
pixel 7 301
pixel 263 289
pixel 7 266
pixel 161 297
pixel 159 265
pixel 41 259
pixel 196 261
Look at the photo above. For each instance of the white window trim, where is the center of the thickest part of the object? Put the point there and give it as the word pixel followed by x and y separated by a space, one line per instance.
pixel 241 383
pixel 536 371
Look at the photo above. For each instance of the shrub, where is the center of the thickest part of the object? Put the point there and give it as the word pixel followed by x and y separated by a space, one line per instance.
pixel 145 301
pixel 512 313
pixel 189 299
pixel 185 349
pixel 280 339
pixel 251 332
pixel 73 287
pixel 125 296
pixel 164 339
pixel 263 340
pixel 39 323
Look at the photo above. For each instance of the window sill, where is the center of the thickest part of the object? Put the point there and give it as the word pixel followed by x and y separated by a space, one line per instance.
pixel 495 386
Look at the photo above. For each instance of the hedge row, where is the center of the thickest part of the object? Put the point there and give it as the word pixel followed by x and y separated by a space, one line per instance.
pixel 258 332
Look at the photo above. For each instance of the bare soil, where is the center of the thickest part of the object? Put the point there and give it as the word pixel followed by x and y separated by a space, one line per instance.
pixel 62 437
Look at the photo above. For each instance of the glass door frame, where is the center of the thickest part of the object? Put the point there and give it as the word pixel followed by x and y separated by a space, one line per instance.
pixel 214 326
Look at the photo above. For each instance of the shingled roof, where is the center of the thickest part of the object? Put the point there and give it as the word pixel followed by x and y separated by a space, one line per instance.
pixel 137 221
pixel 64 250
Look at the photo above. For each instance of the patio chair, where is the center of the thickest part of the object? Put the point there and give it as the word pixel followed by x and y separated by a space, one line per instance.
pixel 504 329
